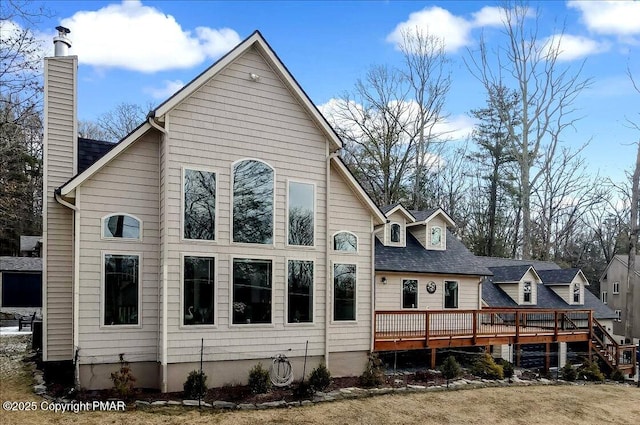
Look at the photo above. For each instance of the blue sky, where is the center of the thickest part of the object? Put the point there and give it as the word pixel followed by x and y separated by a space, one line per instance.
pixel 142 51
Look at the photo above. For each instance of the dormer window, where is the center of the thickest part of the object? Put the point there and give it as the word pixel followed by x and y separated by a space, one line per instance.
pixel 123 226
pixel 395 233
pixel 345 241
pixel 436 236
pixel 576 293
pixel 527 292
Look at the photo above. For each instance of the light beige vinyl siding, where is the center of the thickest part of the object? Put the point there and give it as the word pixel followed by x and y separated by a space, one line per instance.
pixel 389 295
pixel 231 118
pixel 128 184
pixel 347 213
pixel 513 290
pixel 58 221
pixel 420 233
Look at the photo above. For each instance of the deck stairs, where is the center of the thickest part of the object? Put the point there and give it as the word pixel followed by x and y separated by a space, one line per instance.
pixel 614 355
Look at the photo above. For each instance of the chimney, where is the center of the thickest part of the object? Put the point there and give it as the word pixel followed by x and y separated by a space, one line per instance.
pixel 60 147
pixel 61 43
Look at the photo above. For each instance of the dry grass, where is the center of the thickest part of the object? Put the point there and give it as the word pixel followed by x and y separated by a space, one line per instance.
pixel 590 404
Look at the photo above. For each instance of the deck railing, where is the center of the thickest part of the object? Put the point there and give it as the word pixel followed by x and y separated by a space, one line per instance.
pixel 428 325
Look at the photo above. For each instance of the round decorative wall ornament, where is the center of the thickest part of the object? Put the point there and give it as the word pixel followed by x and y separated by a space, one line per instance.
pixel 431 287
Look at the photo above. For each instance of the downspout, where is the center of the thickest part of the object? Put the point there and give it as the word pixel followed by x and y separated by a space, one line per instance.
pixel 165 280
pixel 375 230
pixel 76 278
pixel 329 264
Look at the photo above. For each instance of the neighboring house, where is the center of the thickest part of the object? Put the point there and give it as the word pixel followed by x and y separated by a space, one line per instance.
pixel 226 220
pixel 20 284
pixel 613 292
pixel 30 246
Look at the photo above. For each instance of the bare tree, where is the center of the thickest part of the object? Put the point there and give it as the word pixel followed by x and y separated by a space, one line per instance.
pixel 546 89
pixel 121 120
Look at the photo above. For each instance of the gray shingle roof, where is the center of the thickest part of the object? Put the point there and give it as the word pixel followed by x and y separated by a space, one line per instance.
pixel 456 259
pixel 89 151
pixel 509 273
pixel 20 264
pixel 388 208
pixel 559 276
pixel 422 215
pixel 501 262
pixel 494 296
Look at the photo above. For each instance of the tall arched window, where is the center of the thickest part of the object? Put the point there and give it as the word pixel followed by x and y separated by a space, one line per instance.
pixel 253 202
pixel 123 226
pixel 345 241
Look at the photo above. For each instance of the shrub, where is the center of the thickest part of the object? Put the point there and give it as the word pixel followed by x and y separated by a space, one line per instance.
pixel 486 367
pixel 568 372
pixel 320 378
pixel 508 370
pixel 259 381
pixel 616 375
pixel 123 380
pixel 195 386
pixel 590 372
pixel 302 390
pixel 373 374
pixel 450 369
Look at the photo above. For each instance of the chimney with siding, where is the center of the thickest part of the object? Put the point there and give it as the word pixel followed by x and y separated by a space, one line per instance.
pixel 60 153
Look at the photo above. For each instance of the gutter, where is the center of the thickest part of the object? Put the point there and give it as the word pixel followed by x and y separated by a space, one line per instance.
pixel 76 277
pixel 165 279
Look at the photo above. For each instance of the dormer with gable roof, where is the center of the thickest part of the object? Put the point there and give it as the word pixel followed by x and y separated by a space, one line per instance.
pixel 395 230
pixel 568 284
pixel 430 228
pixel 520 282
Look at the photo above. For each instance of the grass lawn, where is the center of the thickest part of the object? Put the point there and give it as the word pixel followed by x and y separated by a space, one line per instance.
pixel 589 404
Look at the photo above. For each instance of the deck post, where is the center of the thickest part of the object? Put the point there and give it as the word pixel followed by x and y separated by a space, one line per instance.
pixel 426 328
pixel 433 358
pixel 555 326
pixel 547 358
pixel 475 327
pixel 517 330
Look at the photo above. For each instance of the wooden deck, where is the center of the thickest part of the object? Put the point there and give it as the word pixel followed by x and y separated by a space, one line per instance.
pixel 430 329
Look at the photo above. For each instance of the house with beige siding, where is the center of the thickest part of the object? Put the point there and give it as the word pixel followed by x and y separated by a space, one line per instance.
pixel 225 221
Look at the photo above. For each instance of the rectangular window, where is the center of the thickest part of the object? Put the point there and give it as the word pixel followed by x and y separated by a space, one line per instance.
pixel 344 292
pixel 300 291
pixel 251 291
pixel 527 292
pixel 618 315
pixel 450 294
pixel 409 293
pixel 301 211
pixel 605 297
pixel 199 205
pixel 121 289
pixel 616 287
pixel 199 294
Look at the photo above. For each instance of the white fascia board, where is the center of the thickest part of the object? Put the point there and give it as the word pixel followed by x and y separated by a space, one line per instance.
pixel 404 211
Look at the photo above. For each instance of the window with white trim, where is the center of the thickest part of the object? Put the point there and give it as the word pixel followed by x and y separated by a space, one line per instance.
pixel 251 291
pixel 301 213
pixel 450 294
pixel 344 292
pixel 199 290
pixel 576 293
pixel 345 241
pixel 300 291
pixel 618 315
pixel 604 297
pixel 121 226
pixel 121 277
pixel 616 288
pixel 253 191
pixel 199 221
pixel 526 289
pixel 395 233
pixel 409 293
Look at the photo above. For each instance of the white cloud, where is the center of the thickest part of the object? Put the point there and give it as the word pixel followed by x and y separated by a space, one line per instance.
pixel 610 17
pixel 436 21
pixel 168 89
pixel 132 36
pixel 488 16
pixel 572 47
pixel 457 127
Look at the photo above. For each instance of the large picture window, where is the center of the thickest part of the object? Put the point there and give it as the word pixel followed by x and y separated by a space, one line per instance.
pixel 300 291
pixel 450 294
pixel 121 226
pixel 199 205
pixel 345 241
pixel 409 293
pixel 121 289
pixel 301 211
pixel 252 202
pixel 199 291
pixel 344 292
pixel 251 291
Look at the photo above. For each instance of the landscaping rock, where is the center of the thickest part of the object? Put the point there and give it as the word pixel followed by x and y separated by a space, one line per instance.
pixel 159 403
pixel 416 387
pixel 219 404
pixel 174 403
pixel 306 403
pixel 141 403
pixel 247 406
pixel 190 403
pixel 40 389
